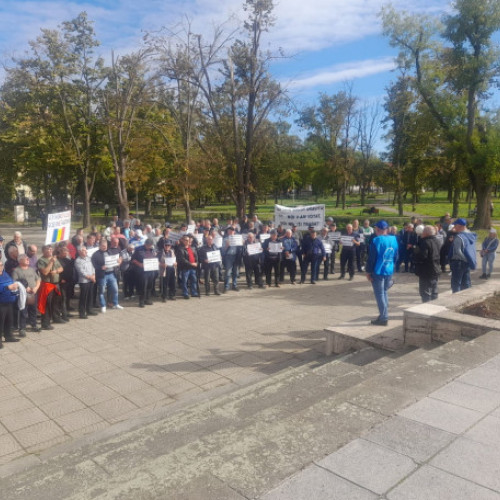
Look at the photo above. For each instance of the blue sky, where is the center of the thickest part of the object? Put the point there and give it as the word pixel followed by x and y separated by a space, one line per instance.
pixel 330 42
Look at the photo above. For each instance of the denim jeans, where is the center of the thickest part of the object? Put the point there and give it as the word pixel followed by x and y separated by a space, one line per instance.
pixel 189 275
pixel 460 275
pixel 231 271
pixel 380 286
pixel 108 282
pixel 488 260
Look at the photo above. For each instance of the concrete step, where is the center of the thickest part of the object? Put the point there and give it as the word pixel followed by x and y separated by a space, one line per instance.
pixel 242 444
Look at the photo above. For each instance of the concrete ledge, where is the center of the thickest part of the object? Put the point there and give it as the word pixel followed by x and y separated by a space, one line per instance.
pixel 441 321
pixel 358 334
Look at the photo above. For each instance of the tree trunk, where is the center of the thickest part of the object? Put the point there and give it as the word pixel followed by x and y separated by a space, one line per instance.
pixel 456 203
pixel 86 206
pixel 483 214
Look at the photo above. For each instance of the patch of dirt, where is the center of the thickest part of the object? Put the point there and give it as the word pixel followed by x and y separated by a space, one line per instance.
pixel 488 308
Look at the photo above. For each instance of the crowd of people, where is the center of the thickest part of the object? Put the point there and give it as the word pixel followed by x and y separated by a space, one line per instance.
pixel 206 257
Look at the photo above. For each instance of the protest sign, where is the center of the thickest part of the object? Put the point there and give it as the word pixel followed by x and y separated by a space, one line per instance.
pixel 58 227
pixel 218 241
pixel 235 240
pixel 346 241
pixel 328 247
pixel 334 235
pixel 264 236
pixel 214 257
pixel 151 264
pixel 275 247
pixel 254 248
pixel 111 261
pixel 170 261
pixel 303 216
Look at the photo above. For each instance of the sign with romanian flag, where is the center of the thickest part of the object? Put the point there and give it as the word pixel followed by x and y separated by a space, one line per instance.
pixel 58 227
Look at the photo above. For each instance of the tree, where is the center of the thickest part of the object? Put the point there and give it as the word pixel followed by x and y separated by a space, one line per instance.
pixel 453 67
pixel 128 88
pixel 63 75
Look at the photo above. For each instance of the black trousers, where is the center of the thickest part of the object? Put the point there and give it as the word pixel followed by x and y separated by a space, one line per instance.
pixel 168 283
pixel 211 273
pixel 85 303
pixel 347 258
pixel 291 266
pixel 253 269
pixel 6 319
pixel 27 315
pixel 128 283
pixel 271 265
pixel 145 280
pixel 52 308
pixel 428 288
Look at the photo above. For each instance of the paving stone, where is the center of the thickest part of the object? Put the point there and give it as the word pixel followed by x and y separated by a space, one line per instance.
pixel 477 462
pixel 15 404
pixel 486 431
pixel 431 483
pixel 444 416
pixel 78 420
pixel 486 377
pixel 48 395
pixel 68 404
pixel 23 418
pixel 38 433
pixel 114 410
pixel 8 445
pixel 408 437
pixel 315 483
pixel 369 465
pixel 468 396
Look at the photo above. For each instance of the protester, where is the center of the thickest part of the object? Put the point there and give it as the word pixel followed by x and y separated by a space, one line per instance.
pixel 146 265
pixel 7 298
pixel 86 278
pixel 210 268
pixel 350 240
pixel 187 263
pixel 462 256
pixel 49 297
pixel 168 266
pixel 427 264
pixel 382 256
pixel 27 276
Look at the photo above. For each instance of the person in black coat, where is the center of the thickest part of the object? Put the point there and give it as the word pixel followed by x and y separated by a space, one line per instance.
pixel 427 264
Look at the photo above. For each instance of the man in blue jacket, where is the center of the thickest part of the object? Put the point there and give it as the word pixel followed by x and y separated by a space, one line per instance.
pixel 382 257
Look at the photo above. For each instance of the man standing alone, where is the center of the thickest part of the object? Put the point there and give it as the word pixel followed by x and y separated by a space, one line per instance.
pixel 462 256
pixel 382 257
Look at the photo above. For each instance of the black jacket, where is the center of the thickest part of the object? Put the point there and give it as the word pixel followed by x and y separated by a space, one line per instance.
pixel 426 258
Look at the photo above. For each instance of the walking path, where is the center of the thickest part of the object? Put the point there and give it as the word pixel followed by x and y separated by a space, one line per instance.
pixel 225 397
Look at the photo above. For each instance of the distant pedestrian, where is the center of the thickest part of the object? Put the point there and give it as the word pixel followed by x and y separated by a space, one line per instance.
pixel 488 253
pixel 382 257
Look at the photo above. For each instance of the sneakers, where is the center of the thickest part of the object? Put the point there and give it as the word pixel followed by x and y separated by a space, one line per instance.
pixel 103 309
pixel 379 322
pixel 118 306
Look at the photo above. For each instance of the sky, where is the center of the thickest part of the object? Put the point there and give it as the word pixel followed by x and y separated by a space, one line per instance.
pixel 327 43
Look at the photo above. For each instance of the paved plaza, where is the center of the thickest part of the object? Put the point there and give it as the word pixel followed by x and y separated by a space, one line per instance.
pixel 120 378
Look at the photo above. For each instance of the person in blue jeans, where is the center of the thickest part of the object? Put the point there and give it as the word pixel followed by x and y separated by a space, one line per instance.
pixel 462 256
pixel 382 257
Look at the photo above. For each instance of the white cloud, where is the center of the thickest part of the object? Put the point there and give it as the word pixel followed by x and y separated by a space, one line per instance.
pixel 343 72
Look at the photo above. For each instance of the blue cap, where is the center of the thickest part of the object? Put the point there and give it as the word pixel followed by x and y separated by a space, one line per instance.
pixel 460 222
pixel 382 224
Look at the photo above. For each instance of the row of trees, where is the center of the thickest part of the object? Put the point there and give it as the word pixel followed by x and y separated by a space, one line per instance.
pixel 188 118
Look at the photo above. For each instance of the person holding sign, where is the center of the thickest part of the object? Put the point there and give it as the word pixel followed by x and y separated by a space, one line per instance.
pixel 210 258
pixel 349 241
pixel 232 249
pixel 168 265
pixel 313 252
pixel 327 244
pixel 272 257
pixel 104 264
pixel 290 249
pixel 382 257
pixel 253 258
pixel 146 265
pixel 187 263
